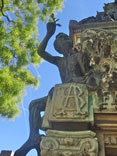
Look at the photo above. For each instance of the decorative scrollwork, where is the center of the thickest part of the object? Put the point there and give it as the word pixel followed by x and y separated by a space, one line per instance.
pixel 101 46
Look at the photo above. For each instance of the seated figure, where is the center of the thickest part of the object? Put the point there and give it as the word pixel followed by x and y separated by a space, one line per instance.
pixel 73 67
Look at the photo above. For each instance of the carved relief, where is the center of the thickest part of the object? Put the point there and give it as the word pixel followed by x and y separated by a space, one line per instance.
pixel 69 141
pixel 101 45
pixel 70 102
pixel 74 145
pixel 73 100
pixel 110 140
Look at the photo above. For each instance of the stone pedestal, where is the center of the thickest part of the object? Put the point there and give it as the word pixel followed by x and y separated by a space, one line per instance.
pixel 69 113
pixel 64 143
pixel 70 106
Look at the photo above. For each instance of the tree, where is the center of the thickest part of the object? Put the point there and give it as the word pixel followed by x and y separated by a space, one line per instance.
pixel 18 48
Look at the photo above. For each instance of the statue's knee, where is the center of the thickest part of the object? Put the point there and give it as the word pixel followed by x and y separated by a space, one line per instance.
pixel 38 104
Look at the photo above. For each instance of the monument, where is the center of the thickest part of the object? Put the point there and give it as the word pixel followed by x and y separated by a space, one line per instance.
pixel 81 113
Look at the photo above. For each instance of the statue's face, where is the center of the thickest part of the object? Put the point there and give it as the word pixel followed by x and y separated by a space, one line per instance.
pixel 63 43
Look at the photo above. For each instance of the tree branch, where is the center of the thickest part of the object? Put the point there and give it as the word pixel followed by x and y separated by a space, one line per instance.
pixel 3 12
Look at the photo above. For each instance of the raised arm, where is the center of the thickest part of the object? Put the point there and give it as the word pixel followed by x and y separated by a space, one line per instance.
pixel 51 27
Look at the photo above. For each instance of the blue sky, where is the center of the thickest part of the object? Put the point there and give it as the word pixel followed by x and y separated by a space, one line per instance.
pixel 14 133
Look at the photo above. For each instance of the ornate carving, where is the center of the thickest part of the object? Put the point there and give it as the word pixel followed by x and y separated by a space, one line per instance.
pixel 69 141
pixel 73 144
pixel 101 45
pixel 110 139
pixel 73 103
pixel 70 102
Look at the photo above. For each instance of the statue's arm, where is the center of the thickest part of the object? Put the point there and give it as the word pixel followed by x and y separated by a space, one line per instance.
pixel 51 27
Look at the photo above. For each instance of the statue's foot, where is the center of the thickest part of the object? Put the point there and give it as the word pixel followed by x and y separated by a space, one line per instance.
pixel 31 143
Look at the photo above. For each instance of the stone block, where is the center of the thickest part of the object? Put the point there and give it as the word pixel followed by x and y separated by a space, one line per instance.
pixel 70 103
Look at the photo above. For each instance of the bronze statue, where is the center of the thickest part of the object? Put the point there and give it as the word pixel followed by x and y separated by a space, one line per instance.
pixel 73 67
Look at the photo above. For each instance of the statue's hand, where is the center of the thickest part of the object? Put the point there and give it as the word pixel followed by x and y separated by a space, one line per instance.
pixel 51 28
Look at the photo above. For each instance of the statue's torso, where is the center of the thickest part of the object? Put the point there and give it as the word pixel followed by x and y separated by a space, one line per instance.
pixel 69 68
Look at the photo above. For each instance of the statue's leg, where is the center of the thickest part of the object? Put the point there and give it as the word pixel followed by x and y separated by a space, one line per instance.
pixel 38 150
pixel 36 106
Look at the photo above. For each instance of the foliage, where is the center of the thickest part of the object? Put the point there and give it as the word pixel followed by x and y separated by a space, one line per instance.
pixel 18 47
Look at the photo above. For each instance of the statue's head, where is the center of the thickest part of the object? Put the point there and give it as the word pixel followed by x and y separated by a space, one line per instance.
pixel 63 43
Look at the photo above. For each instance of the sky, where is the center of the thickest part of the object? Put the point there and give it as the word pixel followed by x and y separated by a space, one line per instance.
pixel 14 133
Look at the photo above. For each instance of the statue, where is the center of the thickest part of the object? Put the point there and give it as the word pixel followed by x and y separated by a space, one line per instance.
pixel 74 66
pixel 92 65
